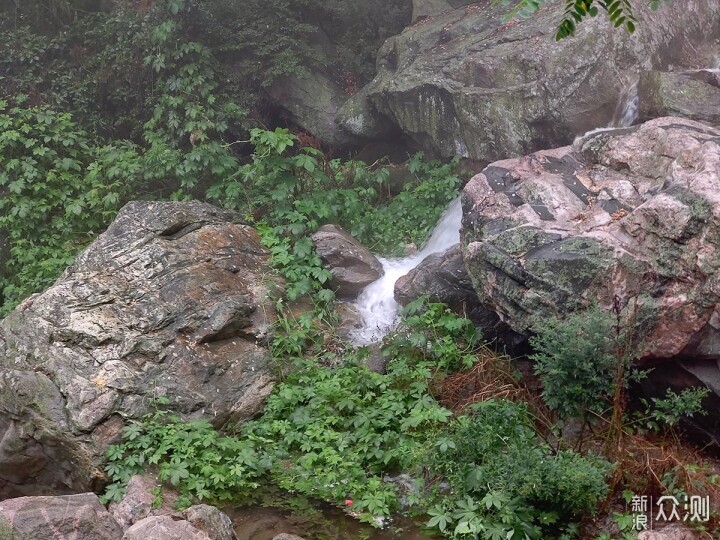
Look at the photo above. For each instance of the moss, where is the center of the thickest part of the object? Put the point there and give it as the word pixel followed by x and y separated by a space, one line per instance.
pixel 571 265
pixel 520 240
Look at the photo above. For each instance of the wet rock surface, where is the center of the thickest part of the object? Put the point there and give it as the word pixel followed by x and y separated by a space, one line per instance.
pixel 632 214
pixel 171 301
pixel 352 265
pixel 464 82
pixel 694 95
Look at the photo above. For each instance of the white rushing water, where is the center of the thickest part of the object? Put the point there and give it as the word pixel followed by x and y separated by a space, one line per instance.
pixel 628 109
pixel 376 303
pixel 626 113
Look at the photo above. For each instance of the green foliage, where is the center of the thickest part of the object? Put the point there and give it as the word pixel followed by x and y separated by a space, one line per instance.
pixel 295 193
pixel 330 433
pixel 575 359
pixel 665 413
pixel 57 190
pixel 504 483
pixel 89 57
pixel 431 338
pixel 333 433
pixel 190 455
pixel 619 12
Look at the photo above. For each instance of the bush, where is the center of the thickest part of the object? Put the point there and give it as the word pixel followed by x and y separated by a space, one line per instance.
pixel 57 190
pixel 504 481
pixel 575 359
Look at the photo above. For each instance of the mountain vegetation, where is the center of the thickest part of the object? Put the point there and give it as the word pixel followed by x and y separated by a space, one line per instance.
pixel 102 103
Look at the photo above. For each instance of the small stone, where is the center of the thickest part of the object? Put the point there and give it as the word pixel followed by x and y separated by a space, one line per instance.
pixel 163 528
pixel 352 265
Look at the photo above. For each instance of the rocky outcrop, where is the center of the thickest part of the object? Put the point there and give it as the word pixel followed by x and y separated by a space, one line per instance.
pixel 688 94
pixel 352 265
pixel 465 83
pixel 632 214
pixel 170 301
pixel 81 517
pixel 442 277
pixel 310 100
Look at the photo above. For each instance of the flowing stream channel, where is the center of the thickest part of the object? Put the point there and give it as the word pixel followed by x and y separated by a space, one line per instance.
pixel 376 303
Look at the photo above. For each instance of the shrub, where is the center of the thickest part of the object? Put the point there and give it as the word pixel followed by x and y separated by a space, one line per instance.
pixel 57 190
pixel 575 359
pixel 505 482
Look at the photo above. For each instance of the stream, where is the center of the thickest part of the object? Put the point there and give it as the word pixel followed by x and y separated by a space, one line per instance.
pixel 376 303
pixel 253 523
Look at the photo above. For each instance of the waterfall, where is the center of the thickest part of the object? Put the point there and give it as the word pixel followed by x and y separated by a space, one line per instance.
pixel 376 303
pixel 628 108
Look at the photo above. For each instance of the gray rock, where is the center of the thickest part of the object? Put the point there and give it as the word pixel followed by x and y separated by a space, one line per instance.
pixel 466 83
pixel 709 76
pixel 679 94
pixel 633 213
pixel 311 100
pixel 172 300
pixel 359 117
pixel 428 8
pixel 286 536
pixel 163 528
pixel 671 532
pixel 81 517
pixel 443 278
pixel 353 266
pixel 138 501
pixel 349 320
pixel 211 521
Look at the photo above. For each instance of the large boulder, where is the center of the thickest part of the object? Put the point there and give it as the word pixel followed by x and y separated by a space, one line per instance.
pixel 352 265
pixel 171 301
pixel 465 83
pixel 629 215
pixel 443 278
pixel 310 100
pixel 688 94
pixel 81 517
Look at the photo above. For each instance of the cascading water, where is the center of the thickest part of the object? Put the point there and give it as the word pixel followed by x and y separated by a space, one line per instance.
pixel 376 303
pixel 626 113
pixel 628 109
